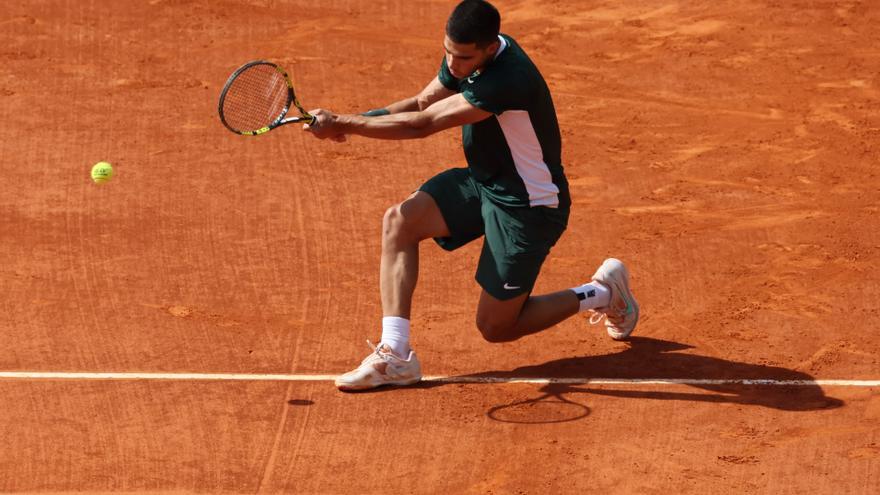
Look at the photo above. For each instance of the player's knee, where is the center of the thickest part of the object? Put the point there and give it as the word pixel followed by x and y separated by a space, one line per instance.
pixel 394 223
pixel 494 331
pixel 401 222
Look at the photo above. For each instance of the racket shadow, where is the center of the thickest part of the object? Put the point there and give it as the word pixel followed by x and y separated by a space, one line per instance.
pixel 658 359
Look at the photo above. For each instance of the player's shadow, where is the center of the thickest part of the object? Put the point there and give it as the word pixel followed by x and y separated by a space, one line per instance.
pixel 659 359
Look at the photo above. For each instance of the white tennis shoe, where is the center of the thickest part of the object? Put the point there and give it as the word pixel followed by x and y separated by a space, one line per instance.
pixel 381 367
pixel 622 314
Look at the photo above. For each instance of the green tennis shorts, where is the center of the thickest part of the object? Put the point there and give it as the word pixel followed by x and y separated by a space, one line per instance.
pixel 517 240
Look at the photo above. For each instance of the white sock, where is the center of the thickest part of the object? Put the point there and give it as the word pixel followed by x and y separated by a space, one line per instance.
pixel 395 333
pixel 593 295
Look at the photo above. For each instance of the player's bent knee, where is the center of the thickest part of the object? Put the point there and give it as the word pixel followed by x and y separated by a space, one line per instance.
pixel 392 217
pixel 394 223
pixel 494 331
pixel 410 220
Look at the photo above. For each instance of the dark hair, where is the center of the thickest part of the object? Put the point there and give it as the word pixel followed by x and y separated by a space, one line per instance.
pixel 474 21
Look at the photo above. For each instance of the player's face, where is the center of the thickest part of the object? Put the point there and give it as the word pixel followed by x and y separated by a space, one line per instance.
pixel 464 59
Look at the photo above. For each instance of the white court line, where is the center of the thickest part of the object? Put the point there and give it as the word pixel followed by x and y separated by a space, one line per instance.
pixel 57 375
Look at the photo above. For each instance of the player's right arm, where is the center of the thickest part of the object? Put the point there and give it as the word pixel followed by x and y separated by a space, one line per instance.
pixel 433 92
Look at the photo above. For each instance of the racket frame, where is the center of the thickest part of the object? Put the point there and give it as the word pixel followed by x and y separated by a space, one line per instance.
pixel 280 120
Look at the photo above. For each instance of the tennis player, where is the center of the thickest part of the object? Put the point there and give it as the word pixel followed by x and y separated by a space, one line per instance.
pixel 513 193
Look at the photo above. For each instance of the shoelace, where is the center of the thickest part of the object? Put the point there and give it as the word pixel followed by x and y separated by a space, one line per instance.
pixel 384 356
pixel 597 316
pixel 375 349
pixel 373 355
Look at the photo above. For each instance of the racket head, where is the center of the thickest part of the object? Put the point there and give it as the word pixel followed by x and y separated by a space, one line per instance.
pixel 256 98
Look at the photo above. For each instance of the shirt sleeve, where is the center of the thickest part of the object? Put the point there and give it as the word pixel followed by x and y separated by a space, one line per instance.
pixel 497 93
pixel 446 78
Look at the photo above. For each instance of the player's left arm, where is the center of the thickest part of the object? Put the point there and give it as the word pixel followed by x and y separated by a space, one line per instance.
pixel 452 111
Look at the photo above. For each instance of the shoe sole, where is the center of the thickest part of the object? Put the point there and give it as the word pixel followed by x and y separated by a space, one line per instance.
pixel 634 304
pixel 361 388
pixel 625 336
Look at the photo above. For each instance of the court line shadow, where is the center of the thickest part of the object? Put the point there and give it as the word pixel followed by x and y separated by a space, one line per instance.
pixel 654 358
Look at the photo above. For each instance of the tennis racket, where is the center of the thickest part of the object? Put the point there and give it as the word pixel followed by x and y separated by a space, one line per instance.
pixel 256 99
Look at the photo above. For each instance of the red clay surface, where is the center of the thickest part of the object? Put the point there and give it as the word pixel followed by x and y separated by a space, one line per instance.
pixel 727 151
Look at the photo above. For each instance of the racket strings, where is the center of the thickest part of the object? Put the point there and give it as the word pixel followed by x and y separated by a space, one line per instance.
pixel 257 97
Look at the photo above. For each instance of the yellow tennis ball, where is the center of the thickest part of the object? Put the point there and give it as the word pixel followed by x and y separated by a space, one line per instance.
pixel 102 172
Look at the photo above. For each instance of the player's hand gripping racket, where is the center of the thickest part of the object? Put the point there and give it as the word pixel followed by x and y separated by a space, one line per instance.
pixel 256 99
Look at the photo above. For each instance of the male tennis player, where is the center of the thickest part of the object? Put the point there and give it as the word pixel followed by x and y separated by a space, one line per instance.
pixel 513 192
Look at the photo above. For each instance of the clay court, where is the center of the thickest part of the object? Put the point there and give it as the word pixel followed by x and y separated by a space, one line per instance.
pixel 178 329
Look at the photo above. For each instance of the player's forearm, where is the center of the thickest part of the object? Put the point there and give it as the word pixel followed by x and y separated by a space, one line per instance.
pixel 403 125
pixel 406 105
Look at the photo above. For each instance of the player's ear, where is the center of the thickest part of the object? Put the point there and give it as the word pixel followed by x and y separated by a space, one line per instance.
pixel 493 47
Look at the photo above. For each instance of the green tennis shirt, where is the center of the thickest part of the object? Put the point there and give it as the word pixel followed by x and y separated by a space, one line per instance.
pixel 514 155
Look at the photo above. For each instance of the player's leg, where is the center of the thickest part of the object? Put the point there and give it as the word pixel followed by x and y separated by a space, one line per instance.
pixel 506 320
pixel 607 294
pixel 392 362
pixel 517 242
pixel 445 208
pixel 405 225
pixel 516 245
